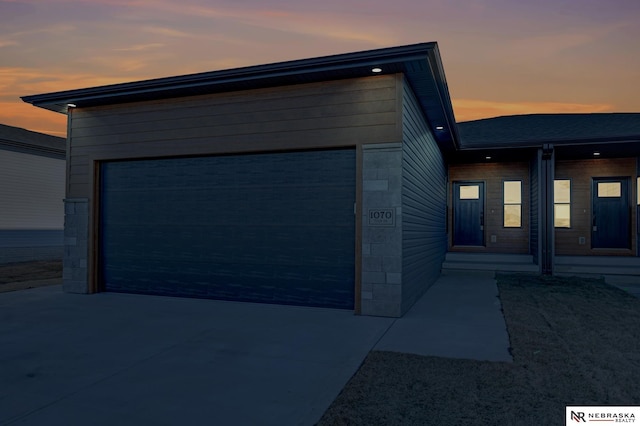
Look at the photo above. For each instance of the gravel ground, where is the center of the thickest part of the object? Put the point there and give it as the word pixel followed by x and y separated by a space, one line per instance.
pixel 575 341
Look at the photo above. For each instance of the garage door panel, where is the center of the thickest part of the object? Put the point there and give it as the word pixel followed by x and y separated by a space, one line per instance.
pixel 269 227
pixel 308 288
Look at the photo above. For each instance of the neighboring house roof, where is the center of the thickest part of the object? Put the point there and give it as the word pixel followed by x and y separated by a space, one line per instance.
pixel 420 63
pixel 22 140
pixel 572 136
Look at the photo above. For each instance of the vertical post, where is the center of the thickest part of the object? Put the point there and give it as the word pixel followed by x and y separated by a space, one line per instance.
pixel 548 229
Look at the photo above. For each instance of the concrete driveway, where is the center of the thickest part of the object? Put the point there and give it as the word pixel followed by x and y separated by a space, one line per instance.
pixel 118 359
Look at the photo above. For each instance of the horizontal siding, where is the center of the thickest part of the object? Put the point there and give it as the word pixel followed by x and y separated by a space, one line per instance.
pixel 313 106
pixel 508 240
pixel 240 102
pixel 317 115
pixel 424 241
pixel 183 130
pixel 581 172
pixel 31 191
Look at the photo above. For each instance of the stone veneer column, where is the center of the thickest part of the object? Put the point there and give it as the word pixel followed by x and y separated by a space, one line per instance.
pixel 76 236
pixel 381 234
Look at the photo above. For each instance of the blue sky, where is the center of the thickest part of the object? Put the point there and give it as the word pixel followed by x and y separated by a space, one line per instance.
pixel 500 57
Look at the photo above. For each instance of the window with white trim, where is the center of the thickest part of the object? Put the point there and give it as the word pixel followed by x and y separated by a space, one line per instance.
pixel 512 197
pixel 562 203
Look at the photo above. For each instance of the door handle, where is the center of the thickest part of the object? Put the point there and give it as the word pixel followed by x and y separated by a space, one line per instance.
pixel 593 223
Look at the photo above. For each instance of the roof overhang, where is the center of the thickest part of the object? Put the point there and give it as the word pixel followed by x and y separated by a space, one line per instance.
pixel 420 63
pixel 615 147
pixel 608 148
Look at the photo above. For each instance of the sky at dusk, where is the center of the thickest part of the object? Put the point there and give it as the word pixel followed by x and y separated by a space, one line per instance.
pixel 500 57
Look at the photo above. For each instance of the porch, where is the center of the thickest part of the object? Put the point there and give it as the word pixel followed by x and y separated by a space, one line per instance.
pixel 619 271
pixel 622 267
pixel 493 262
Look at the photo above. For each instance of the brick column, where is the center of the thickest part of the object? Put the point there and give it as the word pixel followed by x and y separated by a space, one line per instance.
pixel 382 230
pixel 76 236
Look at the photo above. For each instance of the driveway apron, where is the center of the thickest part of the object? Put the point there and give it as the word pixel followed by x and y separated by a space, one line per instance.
pixel 123 359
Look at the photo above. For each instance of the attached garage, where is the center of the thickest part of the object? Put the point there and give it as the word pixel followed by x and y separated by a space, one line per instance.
pixel 270 227
pixel 316 182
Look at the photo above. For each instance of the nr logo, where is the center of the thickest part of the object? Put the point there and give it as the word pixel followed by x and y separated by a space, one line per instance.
pixel 577 416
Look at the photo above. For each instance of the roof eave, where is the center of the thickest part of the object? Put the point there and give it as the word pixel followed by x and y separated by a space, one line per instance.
pixel 349 65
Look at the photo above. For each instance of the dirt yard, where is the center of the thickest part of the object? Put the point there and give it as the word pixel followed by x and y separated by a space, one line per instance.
pixel 574 341
pixel 24 275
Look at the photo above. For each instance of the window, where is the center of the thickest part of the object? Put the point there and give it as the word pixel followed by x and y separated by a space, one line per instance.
pixel 562 203
pixel 609 189
pixel 512 204
pixel 469 192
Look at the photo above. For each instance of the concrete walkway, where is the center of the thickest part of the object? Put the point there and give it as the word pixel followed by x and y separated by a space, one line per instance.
pixel 460 316
pixel 630 284
pixel 123 359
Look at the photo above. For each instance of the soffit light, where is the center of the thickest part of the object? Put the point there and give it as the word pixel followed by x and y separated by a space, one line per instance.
pixel 439 127
pixel 488 157
pixel 596 154
pixel 376 70
pixel 71 105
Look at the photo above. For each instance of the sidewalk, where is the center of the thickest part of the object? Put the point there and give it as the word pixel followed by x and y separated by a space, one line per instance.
pixel 460 316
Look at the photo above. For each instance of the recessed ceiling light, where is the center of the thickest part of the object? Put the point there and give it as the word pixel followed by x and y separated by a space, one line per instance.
pixel 488 157
pixel 595 154
pixel 71 105
pixel 376 69
pixel 439 127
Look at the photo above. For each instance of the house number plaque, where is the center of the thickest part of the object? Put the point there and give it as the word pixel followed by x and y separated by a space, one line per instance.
pixel 382 217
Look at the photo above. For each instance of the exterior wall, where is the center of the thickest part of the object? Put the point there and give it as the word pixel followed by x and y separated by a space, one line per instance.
pixel 507 240
pixel 317 115
pixel 345 113
pixel 32 213
pixel 581 172
pixel 382 285
pixel 424 202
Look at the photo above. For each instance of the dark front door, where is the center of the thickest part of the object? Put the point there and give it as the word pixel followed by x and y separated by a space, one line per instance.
pixel 468 213
pixel 611 213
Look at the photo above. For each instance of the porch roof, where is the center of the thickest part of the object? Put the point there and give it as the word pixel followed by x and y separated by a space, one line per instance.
pixel 573 135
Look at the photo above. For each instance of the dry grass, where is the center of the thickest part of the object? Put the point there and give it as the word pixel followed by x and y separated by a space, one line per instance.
pixel 574 341
pixel 23 275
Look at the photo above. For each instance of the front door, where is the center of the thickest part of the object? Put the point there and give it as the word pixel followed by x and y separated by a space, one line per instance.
pixel 611 213
pixel 468 214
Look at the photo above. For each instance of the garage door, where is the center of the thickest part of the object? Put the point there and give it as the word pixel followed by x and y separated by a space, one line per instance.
pixel 274 228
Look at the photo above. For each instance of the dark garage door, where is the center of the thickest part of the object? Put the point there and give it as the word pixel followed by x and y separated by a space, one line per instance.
pixel 275 228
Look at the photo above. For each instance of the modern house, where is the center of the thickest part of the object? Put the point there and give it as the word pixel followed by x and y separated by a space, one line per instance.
pixel 32 186
pixel 560 189
pixel 339 181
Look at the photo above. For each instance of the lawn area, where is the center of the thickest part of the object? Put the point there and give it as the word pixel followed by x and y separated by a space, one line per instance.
pixel 25 275
pixel 574 341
